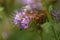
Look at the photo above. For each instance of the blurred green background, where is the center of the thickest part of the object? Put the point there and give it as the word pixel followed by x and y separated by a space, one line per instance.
pixel 8 31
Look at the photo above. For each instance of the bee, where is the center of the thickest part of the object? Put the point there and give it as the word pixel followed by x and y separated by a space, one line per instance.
pixel 40 16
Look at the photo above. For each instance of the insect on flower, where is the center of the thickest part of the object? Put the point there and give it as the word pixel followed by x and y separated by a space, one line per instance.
pixel 23 17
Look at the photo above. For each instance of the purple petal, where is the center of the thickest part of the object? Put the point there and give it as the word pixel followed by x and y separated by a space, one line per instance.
pixel 25 21
pixel 16 21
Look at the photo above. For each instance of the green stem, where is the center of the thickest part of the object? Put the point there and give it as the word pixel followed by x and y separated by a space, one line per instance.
pixel 41 35
pixel 53 30
pixel 40 31
pixel 54 33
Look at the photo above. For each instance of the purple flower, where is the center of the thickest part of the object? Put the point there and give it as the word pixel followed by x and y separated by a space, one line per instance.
pixel 21 19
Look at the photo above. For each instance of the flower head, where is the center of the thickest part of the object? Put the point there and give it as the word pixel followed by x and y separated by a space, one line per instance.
pixel 22 19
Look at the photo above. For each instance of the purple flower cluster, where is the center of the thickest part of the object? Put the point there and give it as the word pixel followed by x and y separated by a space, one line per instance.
pixel 21 19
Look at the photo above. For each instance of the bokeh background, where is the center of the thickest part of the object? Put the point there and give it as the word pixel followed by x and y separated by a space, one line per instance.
pixel 8 31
